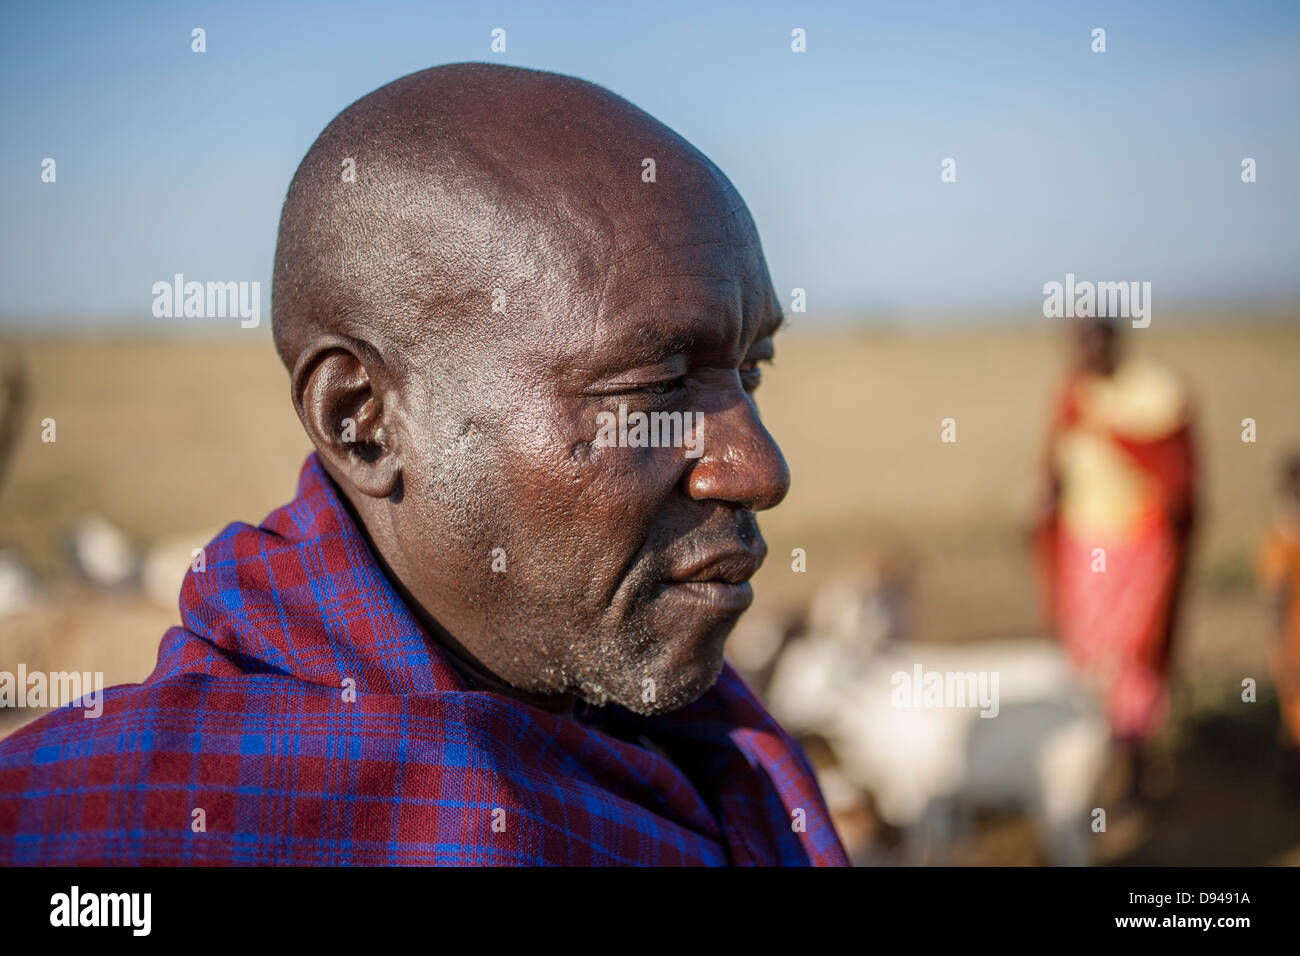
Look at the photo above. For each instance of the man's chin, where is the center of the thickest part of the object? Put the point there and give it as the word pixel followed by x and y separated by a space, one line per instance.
pixel 663 690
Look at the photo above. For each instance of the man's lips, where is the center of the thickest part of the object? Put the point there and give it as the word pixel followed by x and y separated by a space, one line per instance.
pixel 715 595
pixel 734 565
pixel 720 580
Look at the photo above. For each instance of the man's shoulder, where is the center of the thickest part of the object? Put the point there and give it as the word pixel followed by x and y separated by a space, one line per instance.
pixel 317 774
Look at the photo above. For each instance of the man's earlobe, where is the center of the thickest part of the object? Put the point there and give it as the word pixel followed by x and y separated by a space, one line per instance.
pixel 340 403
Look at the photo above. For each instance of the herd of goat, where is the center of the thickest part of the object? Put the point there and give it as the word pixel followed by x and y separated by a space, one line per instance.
pixel 927 766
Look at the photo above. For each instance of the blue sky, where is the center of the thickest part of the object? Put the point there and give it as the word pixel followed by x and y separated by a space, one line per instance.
pixel 1123 165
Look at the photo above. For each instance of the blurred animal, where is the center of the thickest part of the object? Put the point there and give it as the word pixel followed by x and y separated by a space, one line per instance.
pixel 18 588
pixel 929 768
pixel 873 603
pixel 108 559
pixel 17 585
pixel 13 403
pixel 101 553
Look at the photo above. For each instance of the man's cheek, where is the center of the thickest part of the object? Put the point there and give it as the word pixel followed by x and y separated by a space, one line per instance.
pixel 588 508
pixel 606 516
pixel 640 475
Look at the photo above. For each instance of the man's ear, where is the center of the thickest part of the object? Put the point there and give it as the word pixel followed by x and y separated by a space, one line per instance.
pixel 339 384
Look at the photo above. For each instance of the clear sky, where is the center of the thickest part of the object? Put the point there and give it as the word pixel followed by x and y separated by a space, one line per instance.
pixel 1117 166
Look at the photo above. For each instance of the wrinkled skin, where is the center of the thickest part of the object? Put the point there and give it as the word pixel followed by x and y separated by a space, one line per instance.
pixel 625 568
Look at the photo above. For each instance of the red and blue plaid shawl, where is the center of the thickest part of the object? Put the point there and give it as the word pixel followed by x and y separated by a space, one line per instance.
pixel 245 718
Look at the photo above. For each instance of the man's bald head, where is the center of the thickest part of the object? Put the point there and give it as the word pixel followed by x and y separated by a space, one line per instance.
pixel 426 195
pixel 501 275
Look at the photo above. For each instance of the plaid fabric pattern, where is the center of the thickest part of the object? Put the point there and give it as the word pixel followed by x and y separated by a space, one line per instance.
pixel 245 718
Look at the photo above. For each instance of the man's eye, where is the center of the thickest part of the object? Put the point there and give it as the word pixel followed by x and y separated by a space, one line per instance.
pixel 663 388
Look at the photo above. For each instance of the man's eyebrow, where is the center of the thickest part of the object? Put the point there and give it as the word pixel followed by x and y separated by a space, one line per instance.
pixel 652 338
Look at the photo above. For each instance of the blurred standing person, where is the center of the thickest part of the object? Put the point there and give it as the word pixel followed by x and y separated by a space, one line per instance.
pixel 1113 533
pixel 1279 573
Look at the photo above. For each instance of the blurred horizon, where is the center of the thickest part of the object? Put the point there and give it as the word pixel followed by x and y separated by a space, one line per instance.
pixel 922 323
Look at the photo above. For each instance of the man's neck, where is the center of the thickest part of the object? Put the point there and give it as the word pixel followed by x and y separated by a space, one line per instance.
pixel 474 674
pixel 478 677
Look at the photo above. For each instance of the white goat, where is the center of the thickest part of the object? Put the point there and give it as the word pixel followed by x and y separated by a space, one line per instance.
pixel 1043 749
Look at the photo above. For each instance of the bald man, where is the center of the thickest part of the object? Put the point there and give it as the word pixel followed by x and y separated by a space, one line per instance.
pixel 489 629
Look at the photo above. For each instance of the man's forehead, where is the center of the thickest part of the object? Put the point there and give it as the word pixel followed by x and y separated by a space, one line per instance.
pixel 705 284
pixel 702 318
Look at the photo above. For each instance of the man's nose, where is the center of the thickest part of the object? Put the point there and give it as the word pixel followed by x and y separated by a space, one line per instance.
pixel 740 463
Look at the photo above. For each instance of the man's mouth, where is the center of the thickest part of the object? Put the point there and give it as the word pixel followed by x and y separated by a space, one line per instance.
pixel 720 580
pixel 717 595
